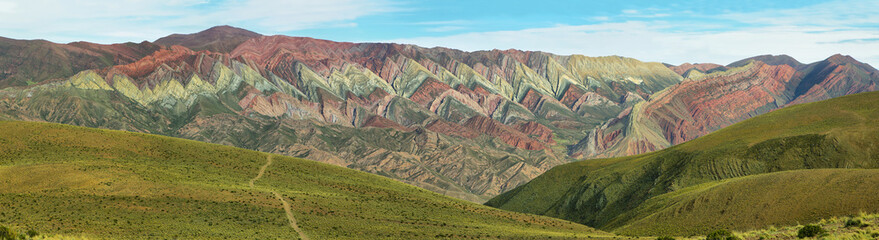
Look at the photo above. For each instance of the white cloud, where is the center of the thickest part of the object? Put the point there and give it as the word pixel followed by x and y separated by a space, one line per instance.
pixel 650 41
pixel 809 34
pixel 109 21
pixel 449 22
pixel 7 7
pixel 601 18
pixel 836 13
pixel 444 28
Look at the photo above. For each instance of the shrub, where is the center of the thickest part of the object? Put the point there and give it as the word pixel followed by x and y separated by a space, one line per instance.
pixel 810 231
pixel 854 222
pixel 665 238
pixel 32 233
pixel 7 233
pixel 721 234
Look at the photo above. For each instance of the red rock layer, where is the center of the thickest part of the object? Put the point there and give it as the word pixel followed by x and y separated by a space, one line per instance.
pixel 451 129
pixel 429 91
pixel 382 122
pixel 503 132
pixel 150 63
pixel 696 108
pixel 536 130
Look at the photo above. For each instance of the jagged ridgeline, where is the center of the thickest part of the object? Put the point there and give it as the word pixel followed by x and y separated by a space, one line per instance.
pixel 794 165
pixel 465 124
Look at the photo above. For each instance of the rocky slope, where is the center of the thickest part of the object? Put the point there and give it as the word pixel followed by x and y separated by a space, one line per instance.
pixel 466 124
pixel 708 102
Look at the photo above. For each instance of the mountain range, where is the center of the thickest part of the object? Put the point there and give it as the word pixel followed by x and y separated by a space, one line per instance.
pixel 470 125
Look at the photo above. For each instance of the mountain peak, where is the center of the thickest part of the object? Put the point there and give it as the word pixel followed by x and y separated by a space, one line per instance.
pixel 841 59
pixel 769 59
pixel 223 38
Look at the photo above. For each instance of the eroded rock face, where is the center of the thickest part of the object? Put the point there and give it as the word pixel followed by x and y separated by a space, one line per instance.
pixel 503 132
pixel 713 101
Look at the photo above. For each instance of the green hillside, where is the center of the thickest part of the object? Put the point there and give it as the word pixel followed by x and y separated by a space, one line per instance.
pixel 753 202
pixel 102 184
pixel 611 193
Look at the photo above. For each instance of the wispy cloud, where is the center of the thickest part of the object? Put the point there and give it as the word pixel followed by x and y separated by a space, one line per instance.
pixel 809 34
pixel 860 40
pixel 134 20
pixel 445 28
pixel 449 22
pixel 7 6
pixel 837 13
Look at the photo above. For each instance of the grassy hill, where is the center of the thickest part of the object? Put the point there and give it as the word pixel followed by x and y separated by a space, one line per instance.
pixel 616 192
pixel 93 183
pixel 754 202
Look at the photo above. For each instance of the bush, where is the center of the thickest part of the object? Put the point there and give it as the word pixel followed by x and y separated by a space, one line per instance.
pixel 665 238
pixel 854 222
pixel 721 234
pixel 7 233
pixel 810 231
pixel 32 233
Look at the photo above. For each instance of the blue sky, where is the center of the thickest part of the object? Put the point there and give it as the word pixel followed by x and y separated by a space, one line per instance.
pixel 664 31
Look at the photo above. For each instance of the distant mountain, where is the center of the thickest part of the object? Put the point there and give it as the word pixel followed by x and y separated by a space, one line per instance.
pixel 707 102
pixel 702 67
pixel 720 180
pixel 27 62
pixel 769 59
pixel 222 39
pixel 86 183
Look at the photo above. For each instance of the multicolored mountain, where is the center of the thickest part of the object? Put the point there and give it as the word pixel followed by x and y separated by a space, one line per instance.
pixel 465 124
pixel 720 96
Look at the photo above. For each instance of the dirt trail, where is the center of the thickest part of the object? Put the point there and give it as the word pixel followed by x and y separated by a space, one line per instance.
pixel 290 216
pixel 262 170
pixel 289 212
